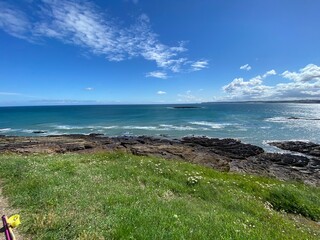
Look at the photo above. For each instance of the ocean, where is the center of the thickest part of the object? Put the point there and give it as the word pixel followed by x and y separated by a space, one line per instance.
pixel 255 123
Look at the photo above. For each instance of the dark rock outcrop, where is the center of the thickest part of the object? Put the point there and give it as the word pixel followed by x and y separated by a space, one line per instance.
pixel 308 148
pixel 230 148
pixel 185 107
pixel 281 166
pixel 38 131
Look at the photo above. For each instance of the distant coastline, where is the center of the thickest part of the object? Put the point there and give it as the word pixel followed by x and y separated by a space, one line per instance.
pixel 309 101
pixel 174 105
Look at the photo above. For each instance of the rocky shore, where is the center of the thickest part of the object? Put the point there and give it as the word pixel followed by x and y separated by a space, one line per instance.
pixel 222 154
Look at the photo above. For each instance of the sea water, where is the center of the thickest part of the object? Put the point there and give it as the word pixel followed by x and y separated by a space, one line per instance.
pixel 255 123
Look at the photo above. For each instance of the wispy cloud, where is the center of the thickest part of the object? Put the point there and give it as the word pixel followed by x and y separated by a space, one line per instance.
pixel 9 94
pixel 161 93
pixel 246 67
pixel 189 97
pixel 81 23
pixel 199 65
pixel 304 84
pixel 14 21
pixel 89 89
pixel 157 74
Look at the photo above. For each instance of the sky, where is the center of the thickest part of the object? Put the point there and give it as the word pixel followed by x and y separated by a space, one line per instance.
pixel 158 51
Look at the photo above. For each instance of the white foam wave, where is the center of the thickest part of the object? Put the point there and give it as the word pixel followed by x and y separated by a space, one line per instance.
pixel 277 119
pixel 242 129
pixel 68 127
pixel 27 131
pixel 202 126
pixel 287 140
pixel 179 128
pixel 6 129
pixel 290 119
pixel 209 124
pixel 161 127
pixel 109 127
pixel 274 149
pixel 139 127
pixel 54 133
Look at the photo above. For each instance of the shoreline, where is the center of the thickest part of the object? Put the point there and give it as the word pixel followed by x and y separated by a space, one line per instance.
pixel 222 154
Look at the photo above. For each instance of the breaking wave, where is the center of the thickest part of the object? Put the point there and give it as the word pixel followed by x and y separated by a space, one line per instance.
pixel 209 124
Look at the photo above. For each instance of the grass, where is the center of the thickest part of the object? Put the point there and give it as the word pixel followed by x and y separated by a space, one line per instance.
pixel 121 196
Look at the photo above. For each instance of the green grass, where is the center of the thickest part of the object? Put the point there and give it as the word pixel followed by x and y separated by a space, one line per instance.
pixel 121 196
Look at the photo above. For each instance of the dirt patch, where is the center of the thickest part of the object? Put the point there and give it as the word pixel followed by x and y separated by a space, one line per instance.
pixel 5 209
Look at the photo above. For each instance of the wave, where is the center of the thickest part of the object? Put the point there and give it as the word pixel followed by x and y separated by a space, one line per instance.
pixel 161 127
pixel 290 119
pixel 278 119
pixel 287 140
pixel 210 124
pixel 68 127
pixel 179 128
pixel 28 130
pixel 54 133
pixel 139 128
pixel 3 130
pixel 274 149
pixel 108 127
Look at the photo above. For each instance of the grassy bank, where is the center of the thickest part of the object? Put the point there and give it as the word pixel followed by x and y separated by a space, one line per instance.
pixel 120 196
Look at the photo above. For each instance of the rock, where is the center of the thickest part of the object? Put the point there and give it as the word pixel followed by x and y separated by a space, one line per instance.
pixel 226 147
pixel 308 148
pixel 285 159
pixel 39 131
pixel 221 154
pixel 96 134
pixel 281 166
pixel 185 107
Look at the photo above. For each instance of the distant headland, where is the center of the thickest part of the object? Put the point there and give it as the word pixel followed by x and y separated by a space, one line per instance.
pixel 310 101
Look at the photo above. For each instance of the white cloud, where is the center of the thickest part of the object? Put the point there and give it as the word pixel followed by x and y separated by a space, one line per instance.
pixel 269 73
pixel 161 93
pixel 157 74
pixel 189 97
pixel 311 72
pixel 9 94
pixel 305 84
pixel 246 67
pixel 240 83
pixel 89 89
pixel 312 93
pixel 199 65
pixel 13 21
pixel 84 24
pixel 239 86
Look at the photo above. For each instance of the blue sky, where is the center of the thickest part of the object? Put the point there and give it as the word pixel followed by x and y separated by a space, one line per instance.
pixel 159 51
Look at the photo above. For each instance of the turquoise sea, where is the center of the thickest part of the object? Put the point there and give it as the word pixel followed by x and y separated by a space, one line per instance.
pixel 255 123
